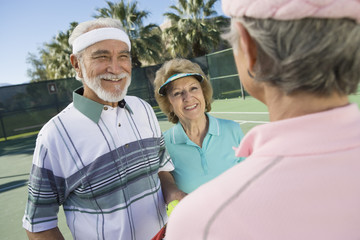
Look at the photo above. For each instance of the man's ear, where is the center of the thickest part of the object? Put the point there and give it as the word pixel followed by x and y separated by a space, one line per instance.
pixel 76 65
pixel 248 46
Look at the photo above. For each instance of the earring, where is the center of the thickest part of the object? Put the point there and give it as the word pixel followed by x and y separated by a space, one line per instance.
pixel 252 76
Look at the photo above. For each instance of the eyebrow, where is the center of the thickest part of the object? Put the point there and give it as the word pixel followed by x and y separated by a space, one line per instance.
pixel 124 51
pixel 100 52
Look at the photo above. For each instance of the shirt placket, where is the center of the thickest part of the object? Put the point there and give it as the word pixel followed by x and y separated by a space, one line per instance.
pixel 202 154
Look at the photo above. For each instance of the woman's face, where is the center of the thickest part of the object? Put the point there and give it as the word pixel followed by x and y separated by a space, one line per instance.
pixel 187 99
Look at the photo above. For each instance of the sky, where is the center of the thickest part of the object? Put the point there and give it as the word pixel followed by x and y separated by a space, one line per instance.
pixel 25 25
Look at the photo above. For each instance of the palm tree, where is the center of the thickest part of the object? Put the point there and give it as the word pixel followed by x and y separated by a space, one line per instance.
pixel 56 55
pixel 54 60
pixel 37 72
pixel 194 28
pixel 145 40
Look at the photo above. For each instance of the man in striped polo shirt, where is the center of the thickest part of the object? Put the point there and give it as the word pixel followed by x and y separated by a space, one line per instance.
pixel 100 157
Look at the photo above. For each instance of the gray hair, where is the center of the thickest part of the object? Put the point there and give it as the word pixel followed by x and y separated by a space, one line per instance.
pixel 90 25
pixel 317 56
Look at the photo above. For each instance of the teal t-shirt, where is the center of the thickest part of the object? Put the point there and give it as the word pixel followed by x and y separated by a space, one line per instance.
pixel 196 165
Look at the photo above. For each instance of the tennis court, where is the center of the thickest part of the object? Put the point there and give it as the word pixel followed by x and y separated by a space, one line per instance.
pixel 16 157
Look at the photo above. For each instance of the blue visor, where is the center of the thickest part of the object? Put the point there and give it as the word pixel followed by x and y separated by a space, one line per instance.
pixel 162 89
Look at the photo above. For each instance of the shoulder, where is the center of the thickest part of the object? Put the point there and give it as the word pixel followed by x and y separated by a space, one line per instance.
pixel 226 123
pixel 69 111
pixel 68 117
pixel 168 133
pixel 228 127
pixel 142 113
pixel 132 98
pixel 137 104
pixel 135 100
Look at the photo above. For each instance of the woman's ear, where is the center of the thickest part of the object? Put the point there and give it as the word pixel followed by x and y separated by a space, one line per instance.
pixel 76 65
pixel 247 45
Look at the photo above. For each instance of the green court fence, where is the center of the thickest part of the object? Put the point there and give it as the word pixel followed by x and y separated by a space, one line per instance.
pixel 223 75
pixel 25 108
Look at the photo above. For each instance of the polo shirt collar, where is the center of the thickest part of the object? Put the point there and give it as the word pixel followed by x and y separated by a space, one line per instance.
pixel 328 131
pixel 179 136
pixel 88 107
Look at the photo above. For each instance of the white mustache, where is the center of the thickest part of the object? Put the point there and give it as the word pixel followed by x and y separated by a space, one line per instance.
pixel 112 77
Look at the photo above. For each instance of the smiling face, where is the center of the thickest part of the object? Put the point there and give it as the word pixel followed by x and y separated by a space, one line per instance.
pixel 187 99
pixel 106 71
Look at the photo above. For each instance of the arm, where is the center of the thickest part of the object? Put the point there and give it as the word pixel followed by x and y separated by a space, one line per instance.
pixel 53 234
pixel 170 190
pixel 40 218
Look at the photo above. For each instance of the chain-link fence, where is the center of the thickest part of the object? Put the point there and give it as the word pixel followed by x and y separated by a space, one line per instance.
pixel 223 75
pixel 25 108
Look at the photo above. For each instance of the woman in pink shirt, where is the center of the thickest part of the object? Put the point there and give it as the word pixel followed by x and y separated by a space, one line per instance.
pixel 301 177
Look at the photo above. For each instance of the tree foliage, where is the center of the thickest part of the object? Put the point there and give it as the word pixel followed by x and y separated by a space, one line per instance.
pixel 56 55
pixel 194 31
pixel 54 60
pixel 145 40
pixel 37 72
pixel 194 28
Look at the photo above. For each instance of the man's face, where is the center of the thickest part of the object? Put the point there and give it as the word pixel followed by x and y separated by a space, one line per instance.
pixel 106 71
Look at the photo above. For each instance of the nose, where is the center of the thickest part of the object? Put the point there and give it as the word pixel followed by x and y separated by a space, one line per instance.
pixel 186 95
pixel 114 67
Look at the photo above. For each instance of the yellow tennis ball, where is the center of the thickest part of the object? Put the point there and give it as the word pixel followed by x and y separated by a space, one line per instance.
pixel 170 207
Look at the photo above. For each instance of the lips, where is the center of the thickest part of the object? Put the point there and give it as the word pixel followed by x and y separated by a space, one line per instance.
pixel 113 79
pixel 191 107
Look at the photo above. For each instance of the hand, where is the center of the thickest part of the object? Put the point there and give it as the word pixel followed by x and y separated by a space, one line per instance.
pixel 170 190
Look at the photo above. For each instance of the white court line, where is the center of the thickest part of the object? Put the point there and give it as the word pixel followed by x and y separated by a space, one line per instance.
pixel 30 127
pixel 240 112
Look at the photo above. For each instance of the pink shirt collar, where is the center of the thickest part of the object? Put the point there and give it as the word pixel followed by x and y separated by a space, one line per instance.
pixel 321 132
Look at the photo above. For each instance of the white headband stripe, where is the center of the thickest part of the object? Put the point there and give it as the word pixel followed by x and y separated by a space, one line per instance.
pixel 97 35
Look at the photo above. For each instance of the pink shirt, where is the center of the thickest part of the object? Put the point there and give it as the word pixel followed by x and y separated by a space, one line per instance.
pixel 301 180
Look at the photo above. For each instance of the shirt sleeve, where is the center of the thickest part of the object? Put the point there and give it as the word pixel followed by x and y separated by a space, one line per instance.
pixel 43 193
pixel 166 163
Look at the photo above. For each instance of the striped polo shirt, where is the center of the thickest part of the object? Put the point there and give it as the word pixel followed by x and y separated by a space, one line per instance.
pixel 101 163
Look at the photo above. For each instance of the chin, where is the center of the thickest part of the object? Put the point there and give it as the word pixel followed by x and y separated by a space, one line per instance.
pixel 115 94
pixel 112 97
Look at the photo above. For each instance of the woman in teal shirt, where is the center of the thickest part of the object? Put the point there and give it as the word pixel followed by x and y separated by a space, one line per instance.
pixel 200 145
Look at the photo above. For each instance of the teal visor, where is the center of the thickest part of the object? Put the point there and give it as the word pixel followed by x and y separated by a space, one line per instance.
pixel 162 89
